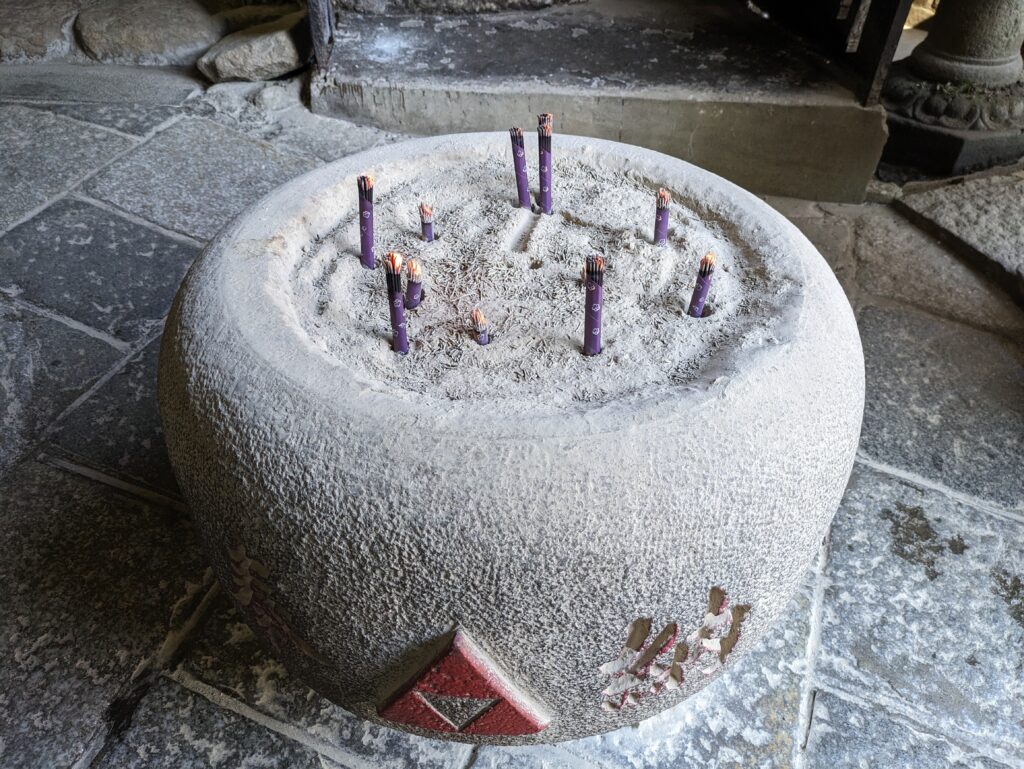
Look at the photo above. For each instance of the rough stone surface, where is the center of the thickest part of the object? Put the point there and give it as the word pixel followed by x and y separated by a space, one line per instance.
pixel 44 367
pixel 263 52
pixel 45 154
pixel 61 260
pixel 845 734
pixel 944 401
pixel 136 119
pixel 985 214
pixel 90 577
pixel 929 569
pixel 35 29
pixel 227 656
pixel 109 84
pixel 442 6
pixel 147 31
pixel 539 616
pixel 118 430
pixel 833 237
pixel 195 176
pixel 175 728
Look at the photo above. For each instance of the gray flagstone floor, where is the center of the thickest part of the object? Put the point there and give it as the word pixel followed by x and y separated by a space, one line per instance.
pixel 904 647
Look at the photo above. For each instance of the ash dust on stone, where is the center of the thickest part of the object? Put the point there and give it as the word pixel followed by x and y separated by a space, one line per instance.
pixel 915 540
pixel 523 271
pixel 1010 587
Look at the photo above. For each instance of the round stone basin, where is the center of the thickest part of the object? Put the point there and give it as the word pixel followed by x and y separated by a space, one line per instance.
pixel 511 543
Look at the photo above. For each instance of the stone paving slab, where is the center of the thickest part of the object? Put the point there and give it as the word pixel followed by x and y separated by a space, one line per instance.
pixel 196 176
pixel 175 728
pixel 34 29
pixel 118 429
pixel 984 213
pixel 944 401
pixel 833 237
pixel 61 82
pixel 89 578
pixel 94 266
pixel 44 366
pixel 844 734
pixel 924 606
pixel 136 119
pixel 44 155
pixel 226 655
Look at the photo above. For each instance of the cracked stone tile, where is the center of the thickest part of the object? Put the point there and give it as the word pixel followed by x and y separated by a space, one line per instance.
pixel 174 728
pixel 44 367
pixel 746 718
pixel 90 577
pixel 118 430
pixel 226 655
pixel 94 266
pixel 844 734
pixel 196 176
pixel 136 119
pixel 896 260
pixel 44 155
pixel 944 401
pixel 925 607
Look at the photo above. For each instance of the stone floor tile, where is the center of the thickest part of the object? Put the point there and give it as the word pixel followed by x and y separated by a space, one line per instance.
pixel 96 267
pixel 747 718
pixel 944 401
pixel 118 429
pixel 136 119
pixel 896 260
pixel 89 579
pixel 844 734
pixel 44 366
pixel 794 208
pixel 984 212
pixel 924 605
pixel 45 154
pixel 196 176
pixel 175 728
pixel 227 656
pixel 63 82
pixel 833 237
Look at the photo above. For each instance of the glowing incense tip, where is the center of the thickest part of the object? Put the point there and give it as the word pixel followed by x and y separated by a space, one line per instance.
pixel 426 213
pixel 393 263
pixel 664 198
pixel 517 135
pixel 481 327
pixel 593 269
pixel 544 130
pixel 413 271
pixel 396 302
pixel 365 184
pixel 707 264
pixel 700 290
pixel 545 118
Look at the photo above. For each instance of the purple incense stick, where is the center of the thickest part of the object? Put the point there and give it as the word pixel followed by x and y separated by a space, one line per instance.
pixel 365 184
pixel 593 280
pixel 544 126
pixel 396 303
pixel 427 222
pixel 700 291
pixel 414 284
pixel 519 163
pixel 481 327
pixel 661 217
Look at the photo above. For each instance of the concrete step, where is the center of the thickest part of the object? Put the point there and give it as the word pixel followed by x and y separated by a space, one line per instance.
pixel 708 82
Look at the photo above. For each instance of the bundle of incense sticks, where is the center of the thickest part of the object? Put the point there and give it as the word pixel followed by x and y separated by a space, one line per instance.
pixel 544 127
pixel 700 291
pixel 427 222
pixel 365 184
pixel 481 327
pixel 593 280
pixel 396 303
pixel 519 163
pixel 661 217
pixel 414 285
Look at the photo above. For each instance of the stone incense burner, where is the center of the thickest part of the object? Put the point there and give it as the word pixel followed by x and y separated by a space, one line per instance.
pixel 513 543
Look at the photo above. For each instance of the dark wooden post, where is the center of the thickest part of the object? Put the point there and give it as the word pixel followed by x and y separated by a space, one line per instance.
pixel 321 28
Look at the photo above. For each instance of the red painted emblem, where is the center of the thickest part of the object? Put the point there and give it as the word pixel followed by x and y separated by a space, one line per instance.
pixel 464 691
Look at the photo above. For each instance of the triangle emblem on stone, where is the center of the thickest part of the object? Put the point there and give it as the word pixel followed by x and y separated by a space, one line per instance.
pixel 463 690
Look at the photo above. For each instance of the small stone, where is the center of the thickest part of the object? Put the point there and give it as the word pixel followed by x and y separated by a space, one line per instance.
pixel 262 52
pixel 246 16
pixel 35 29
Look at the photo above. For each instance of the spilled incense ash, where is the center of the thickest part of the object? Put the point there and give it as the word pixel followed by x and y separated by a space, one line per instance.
pixel 700 291
pixel 519 164
pixel 414 284
pixel 593 281
pixel 481 327
pixel 544 128
pixel 427 222
pixel 396 302
pixel 365 185
pixel 661 205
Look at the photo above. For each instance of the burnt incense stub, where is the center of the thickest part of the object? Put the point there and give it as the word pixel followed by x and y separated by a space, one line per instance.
pixel 611 484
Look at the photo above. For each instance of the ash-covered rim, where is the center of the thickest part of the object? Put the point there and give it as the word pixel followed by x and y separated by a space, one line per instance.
pixel 260 247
